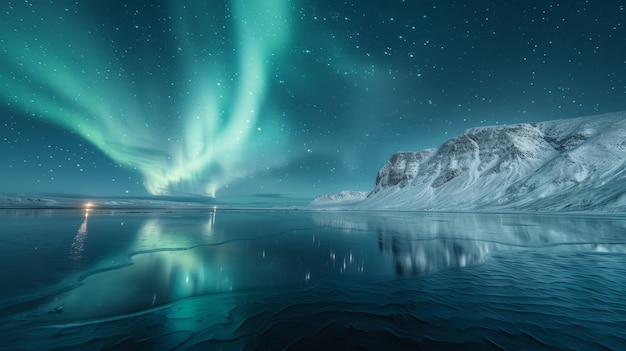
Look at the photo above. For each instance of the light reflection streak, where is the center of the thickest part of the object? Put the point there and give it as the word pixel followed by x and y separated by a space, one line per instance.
pixel 210 224
pixel 78 244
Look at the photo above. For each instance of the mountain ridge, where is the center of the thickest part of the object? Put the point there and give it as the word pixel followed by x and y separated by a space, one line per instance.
pixel 576 164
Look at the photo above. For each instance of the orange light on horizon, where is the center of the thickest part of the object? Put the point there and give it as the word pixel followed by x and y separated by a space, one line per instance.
pixel 87 207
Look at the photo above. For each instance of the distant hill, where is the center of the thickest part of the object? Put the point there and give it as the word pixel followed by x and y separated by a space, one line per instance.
pixel 30 201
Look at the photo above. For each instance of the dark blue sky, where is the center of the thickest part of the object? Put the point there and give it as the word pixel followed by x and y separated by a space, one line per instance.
pixel 273 100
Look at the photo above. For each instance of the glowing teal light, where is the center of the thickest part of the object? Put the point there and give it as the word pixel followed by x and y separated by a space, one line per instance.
pixel 60 68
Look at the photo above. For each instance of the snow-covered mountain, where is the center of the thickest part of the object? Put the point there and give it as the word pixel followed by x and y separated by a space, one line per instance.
pixel 564 165
pixel 342 198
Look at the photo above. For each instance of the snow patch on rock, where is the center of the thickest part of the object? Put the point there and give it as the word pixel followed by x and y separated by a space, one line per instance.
pixel 342 198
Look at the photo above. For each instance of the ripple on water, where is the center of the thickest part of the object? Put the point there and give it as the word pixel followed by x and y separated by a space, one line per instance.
pixel 511 302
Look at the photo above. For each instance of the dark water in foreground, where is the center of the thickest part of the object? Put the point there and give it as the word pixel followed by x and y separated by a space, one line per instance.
pixel 310 280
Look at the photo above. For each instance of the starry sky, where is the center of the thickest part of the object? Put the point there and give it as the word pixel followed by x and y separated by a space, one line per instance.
pixel 261 101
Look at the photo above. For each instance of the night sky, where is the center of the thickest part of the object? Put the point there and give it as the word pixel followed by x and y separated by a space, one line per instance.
pixel 278 101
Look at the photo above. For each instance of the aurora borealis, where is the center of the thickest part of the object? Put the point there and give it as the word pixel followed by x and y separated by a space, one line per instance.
pixel 204 141
pixel 281 98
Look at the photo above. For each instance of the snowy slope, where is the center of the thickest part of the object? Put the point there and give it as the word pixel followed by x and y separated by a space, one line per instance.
pixel 574 164
pixel 342 198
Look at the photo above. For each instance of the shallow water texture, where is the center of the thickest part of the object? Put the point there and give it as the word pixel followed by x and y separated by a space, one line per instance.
pixel 321 280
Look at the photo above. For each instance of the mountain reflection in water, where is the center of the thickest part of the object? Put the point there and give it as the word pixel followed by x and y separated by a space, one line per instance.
pixel 424 243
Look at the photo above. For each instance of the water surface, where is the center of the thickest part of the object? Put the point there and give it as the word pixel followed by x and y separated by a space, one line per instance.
pixel 279 279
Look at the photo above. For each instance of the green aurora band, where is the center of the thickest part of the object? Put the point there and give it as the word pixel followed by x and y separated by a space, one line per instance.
pixel 191 120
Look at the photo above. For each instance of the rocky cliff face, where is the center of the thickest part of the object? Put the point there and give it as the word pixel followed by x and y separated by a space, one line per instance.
pixel 401 168
pixel 572 164
pixel 479 152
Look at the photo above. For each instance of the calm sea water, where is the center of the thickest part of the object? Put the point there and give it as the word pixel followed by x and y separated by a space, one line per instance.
pixel 310 280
